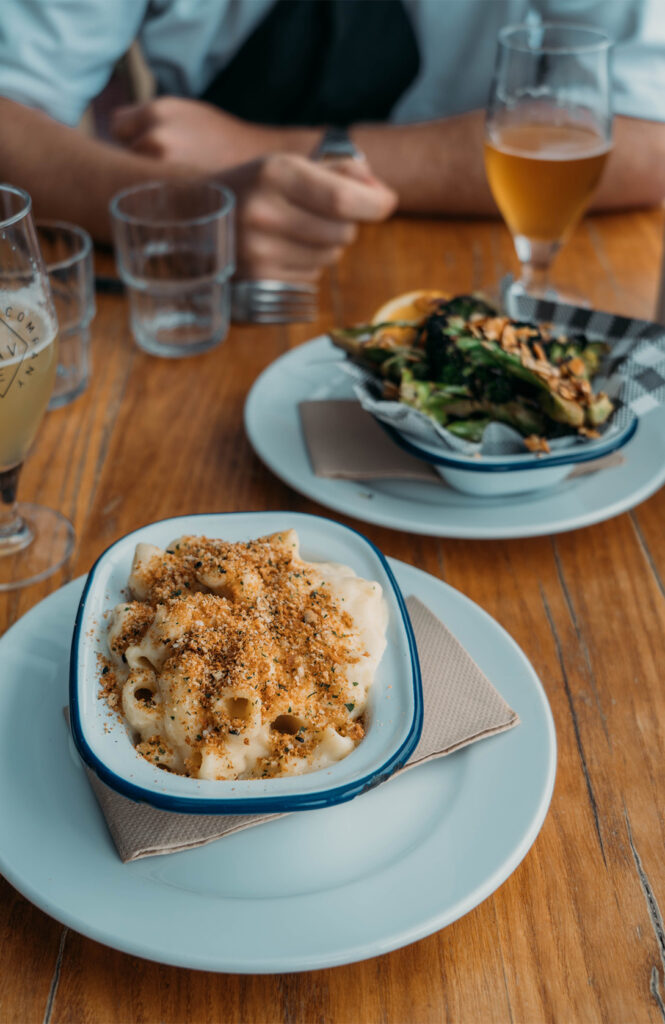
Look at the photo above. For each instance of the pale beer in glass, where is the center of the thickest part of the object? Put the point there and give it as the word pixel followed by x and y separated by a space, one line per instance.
pixel 543 175
pixel 34 540
pixel 548 134
pixel 28 361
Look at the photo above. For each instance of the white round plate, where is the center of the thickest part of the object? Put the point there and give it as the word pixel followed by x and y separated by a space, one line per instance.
pixel 310 890
pixel 308 373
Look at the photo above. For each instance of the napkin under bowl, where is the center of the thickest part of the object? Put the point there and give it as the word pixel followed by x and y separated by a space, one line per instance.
pixel 461 707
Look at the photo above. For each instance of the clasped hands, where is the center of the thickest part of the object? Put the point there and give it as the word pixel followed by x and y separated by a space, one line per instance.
pixel 294 216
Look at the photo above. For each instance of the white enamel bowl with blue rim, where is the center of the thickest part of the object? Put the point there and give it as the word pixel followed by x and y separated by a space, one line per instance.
pixel 495 475
pixel 395 704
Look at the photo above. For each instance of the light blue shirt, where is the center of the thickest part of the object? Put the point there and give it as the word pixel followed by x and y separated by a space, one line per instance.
pixel 57 55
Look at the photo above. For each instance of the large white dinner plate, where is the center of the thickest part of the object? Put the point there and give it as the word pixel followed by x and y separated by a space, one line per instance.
pixel 310 890
pixel 309 372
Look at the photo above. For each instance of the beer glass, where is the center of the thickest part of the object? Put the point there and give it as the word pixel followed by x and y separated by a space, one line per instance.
pixel 34 541
pixel 547 137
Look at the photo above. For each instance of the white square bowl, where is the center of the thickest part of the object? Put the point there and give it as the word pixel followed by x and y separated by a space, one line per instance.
pixel 395 703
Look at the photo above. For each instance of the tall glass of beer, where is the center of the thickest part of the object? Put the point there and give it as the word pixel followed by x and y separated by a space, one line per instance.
pixel 34 541
pixel 548 135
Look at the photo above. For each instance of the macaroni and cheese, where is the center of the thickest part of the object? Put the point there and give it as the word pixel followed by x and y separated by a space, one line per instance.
pixel 241 660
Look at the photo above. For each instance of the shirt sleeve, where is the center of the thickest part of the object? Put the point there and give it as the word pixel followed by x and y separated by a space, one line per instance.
pixel 57 55
pixel 637 30
pixel 639 65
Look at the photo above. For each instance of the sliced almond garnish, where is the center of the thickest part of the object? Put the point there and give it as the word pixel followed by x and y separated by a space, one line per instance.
pixel 536 444
pixel 509 338
pixel 494 327
pixel 577 366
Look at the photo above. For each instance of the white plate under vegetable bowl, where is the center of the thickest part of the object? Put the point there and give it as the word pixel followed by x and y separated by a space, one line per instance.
pixel 395 704
pixel 356 880
pixel 311 372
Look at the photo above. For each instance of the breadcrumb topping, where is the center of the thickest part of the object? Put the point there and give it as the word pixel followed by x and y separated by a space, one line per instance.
pixel 241 634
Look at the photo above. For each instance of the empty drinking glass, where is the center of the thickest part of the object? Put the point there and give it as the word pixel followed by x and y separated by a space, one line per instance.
pixel 67 253
pixel 175 253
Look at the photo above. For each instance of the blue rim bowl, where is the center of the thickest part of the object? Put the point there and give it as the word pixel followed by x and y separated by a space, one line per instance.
pixel 395 717
pixel 515 463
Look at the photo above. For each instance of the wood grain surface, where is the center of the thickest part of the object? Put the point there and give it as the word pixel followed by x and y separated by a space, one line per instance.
pixel 575 934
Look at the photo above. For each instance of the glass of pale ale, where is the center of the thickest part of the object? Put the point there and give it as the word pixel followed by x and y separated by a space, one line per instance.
pixel 34 541
pixel 548 135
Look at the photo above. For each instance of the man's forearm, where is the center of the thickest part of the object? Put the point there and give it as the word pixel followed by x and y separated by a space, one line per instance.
pixel 635 171
pixel 68 174
pixel 437 166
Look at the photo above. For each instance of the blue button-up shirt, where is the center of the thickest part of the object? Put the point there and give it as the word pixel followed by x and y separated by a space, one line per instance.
pixel 57 55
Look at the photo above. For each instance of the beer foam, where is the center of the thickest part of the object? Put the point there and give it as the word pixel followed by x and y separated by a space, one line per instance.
pixel 536 141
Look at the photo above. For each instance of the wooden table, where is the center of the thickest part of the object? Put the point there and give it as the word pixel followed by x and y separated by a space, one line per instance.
pixel 575 934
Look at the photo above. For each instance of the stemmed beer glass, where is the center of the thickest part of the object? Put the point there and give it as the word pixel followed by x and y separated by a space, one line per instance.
pixel 547 137
pixel 34 541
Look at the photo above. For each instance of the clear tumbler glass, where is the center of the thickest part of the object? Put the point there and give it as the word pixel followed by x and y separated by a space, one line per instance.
pixel 67 253
pixel 174 247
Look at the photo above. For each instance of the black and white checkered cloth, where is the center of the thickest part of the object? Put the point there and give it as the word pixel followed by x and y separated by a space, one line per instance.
pixel 633 372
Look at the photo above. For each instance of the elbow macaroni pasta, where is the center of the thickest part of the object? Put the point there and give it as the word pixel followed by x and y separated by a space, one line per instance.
pixel 242 661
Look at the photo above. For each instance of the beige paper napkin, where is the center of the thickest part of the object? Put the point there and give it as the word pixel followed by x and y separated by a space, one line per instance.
pixel 345 442
pixel 460 707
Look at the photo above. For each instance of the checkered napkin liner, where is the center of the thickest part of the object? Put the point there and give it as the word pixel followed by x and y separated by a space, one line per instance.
pixel 632 374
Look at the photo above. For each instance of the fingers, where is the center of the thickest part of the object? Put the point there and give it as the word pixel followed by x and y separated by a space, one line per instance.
pixel 357 167
pixel 271 256
pixel 130 122
pixel 353 167
pixel 152 143
pixel 324 191
pixel 273 214
pixel 295 217
pixel 136 123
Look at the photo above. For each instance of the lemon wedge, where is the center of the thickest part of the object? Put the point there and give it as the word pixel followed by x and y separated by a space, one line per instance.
pixel 414 306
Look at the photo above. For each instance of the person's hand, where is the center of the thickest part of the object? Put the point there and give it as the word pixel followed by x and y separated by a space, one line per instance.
pixel 295 216
pixel 200 135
